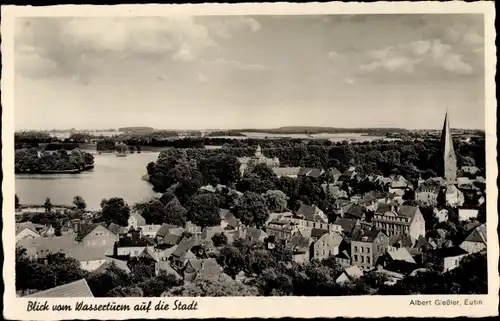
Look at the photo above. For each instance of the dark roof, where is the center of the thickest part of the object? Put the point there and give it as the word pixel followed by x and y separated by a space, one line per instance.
pixel 408 211
pixel 450 251
pixel 316 232
pixel 116 229
pixel 300 244
pixel 477 235
pixel 75 289
pixel 343 255
pixel 347 224
pixel 131 241
pixel 185 245
pixel 366 236
pixel 85 229
pixel 382 208
pixel 206 268
pixel 402 239
pixel 315 172
pixel 304 171
pixel 402 267
pixel 309 213
pixel 164 229
pixel 355 210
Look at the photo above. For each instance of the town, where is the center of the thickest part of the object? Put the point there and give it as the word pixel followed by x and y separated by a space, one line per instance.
pixel 276 218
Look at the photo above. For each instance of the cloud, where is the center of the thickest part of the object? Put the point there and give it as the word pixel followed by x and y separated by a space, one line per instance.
pixel 422 55
pixel 228 27
pixel 64 42
pixel 238 65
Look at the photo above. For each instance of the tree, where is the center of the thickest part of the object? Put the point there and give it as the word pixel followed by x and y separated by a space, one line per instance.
pixel 203 210
pixel 153 212
pixel 115 210
pixel 222 287
pixel 16 202
pixel 276 201
pixel 175 213
pixel 101 283
pixel 126 291
pixel 79 203
pixel 252 209
pixel 48 205
pixel 219 239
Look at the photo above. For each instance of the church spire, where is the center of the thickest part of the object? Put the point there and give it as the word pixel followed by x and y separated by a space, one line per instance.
pixel 448 152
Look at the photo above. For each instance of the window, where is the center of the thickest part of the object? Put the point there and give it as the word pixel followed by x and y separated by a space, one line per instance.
pixel 368 250
pixel 355 249
pixel 355 257
pixel 362 249
pixel 368 259
pixel 362 259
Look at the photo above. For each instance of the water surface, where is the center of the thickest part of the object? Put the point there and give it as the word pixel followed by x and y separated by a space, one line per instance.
pixel 112 176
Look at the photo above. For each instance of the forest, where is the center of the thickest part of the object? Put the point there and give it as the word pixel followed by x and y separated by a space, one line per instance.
pixel 30 161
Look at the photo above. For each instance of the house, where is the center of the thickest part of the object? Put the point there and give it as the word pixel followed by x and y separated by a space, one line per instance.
pixel 349 274
pixel 441 215
pixel 41 247
pixel 228 221
pixel 150 230
pixel 333 190
pixel 327 245
pixel 427 194
pixel 301 248
pixel 343 259
pixel 90 258
pixel 281 230
pixel 398 185
pixel 355 212
pixel 77 289
pixel 309 217
pixel 166 267
pixel 454 197
pixel 135 220
pixel 122 265
pixel 100 236
pixel 404 219
pixel 132 245
pixel 400 254
pixel 472 170
pixel 451 257
pixel 310 172
pixel 367 247
pixel 26 231
pixel 251 234
pixel 466 214
pixel 476 241
pixel 202 269
pixel 291 172
pixel 182 252
pixel 345 226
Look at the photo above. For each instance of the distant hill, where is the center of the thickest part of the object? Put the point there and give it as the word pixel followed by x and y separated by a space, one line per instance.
pixel 136 129
pixel 318 130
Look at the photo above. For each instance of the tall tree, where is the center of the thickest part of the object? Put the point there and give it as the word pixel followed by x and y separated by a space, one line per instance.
pixel 203 210
pixel 175 213
pixel 115 210
pixel 48 205
pixel 276 201
pixel 252 209
pixel 79 203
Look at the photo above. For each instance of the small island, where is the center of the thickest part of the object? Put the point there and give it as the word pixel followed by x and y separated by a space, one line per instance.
pixel 56 162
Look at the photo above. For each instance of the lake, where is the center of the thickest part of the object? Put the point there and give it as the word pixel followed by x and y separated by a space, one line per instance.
pixel 111 177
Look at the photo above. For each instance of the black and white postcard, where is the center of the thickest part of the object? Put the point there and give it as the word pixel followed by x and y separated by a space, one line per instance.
pixel 249 160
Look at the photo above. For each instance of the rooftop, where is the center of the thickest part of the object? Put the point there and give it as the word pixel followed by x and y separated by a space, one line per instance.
pixel 75 289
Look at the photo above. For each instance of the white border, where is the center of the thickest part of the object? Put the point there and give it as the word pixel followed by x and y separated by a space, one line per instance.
pixel 371 306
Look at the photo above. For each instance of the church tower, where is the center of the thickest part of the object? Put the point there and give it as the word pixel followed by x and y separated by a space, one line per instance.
pixel 448 152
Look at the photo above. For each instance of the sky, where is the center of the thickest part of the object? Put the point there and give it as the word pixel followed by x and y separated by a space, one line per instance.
pixel 250 71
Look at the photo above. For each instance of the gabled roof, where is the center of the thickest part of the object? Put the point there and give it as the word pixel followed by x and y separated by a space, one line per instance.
pixel 366 236
pixel 86 229
pixel 316 232
pixel 164 229
pixel 140 220
pixel 402 239
pixel 75 289
pixel 206 268
pixel 355 210
pixel 310 213
pixel 408 211
pixel 116 229
pixel 184 246
pixel 150 228
pixel 333 239
pixel 165 266
pixel 26 225
pixel 47 245
pixel 401 254
pixel 353 272
pixel 478 235
pixel 343 255
pixel 300 244
pixel 334 171
pixel 347 224
pixel 286 171
pixel 450 251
